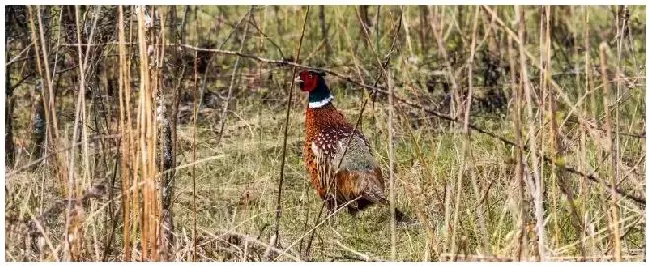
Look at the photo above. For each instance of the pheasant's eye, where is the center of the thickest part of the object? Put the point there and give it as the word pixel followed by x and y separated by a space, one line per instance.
pixel 311 76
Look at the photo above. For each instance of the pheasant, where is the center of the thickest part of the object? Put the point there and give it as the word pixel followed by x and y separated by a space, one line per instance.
pixel 341 166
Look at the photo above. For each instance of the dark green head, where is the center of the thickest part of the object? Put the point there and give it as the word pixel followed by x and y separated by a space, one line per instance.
pixel 314 83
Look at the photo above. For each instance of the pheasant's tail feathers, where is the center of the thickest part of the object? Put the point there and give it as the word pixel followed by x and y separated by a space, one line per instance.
pixel 402 219
pixel 375 195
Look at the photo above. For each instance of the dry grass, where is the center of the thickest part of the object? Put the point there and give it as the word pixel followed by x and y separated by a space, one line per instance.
pixel 572 82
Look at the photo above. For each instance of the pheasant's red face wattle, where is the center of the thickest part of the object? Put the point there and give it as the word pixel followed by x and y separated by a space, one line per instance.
pixel 308 81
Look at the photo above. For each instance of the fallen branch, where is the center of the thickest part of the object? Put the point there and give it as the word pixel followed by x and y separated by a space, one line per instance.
pixel 224 235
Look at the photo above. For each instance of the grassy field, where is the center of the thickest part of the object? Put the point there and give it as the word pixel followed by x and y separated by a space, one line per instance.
pixel 472 196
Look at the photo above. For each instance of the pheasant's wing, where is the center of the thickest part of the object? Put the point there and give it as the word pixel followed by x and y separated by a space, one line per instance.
pixel 336 149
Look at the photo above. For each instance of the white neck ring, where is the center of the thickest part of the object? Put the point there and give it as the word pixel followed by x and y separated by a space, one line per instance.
pixel 321 103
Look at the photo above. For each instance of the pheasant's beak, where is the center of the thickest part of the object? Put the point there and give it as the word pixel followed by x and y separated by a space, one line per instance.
pixel 298 80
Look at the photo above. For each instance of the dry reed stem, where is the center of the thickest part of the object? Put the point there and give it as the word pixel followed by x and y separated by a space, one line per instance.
pixel 538 193
pixel 125 141
pixel 465 149
pixel 517 92
pixel 436 27
pixel 540 98
pixel 72 224
pixel 158 95
pixel 484 235
pixel 591 112
pixel 278 205
pixel 557 152
pixel 169 178
pixel 194 121
pixel 613 215
pixel 616 149
pixel 47 96
pixel 147 139
pixel 454 225
pixel 50 96
pixel 391 168
pixel 142 129
pixel 136 181
pixel 407 32
pixel 169 148
pixel 224 112
pixel 391 155
pixel 546 105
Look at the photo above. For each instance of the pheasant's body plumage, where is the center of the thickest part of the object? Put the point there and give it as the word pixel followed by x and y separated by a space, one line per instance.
pixel 341 165
pixel 340 162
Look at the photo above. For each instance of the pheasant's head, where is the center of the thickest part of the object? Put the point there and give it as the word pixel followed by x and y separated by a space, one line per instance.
pixel 314 83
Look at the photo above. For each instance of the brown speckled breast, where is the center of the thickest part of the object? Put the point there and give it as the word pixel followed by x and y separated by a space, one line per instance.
pixel 316 121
